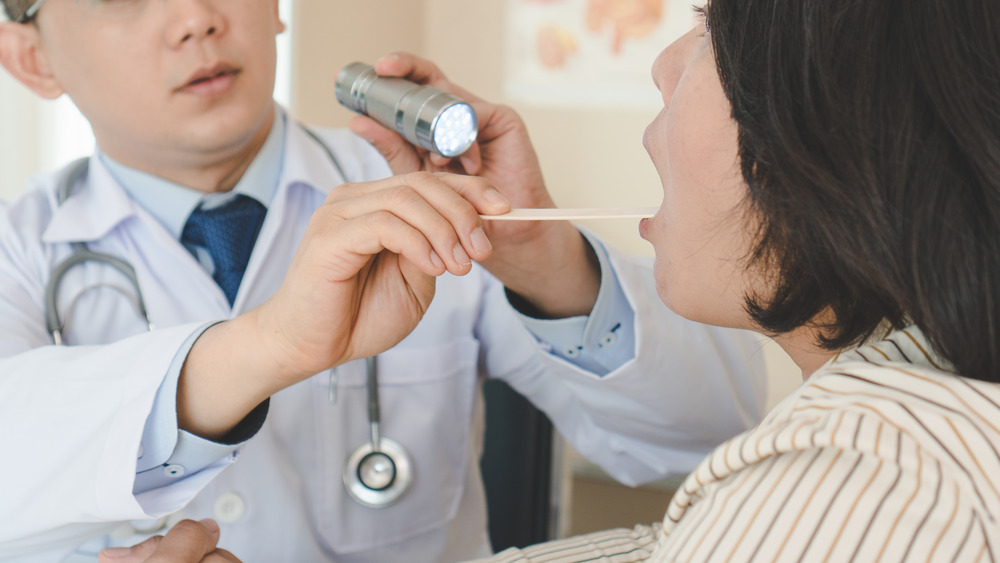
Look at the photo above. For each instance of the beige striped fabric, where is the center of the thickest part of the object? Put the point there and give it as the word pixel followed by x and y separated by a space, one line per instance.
pixel 881 455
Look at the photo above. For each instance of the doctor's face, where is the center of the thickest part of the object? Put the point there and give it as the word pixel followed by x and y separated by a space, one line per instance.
pixel 165 79
pixel 700 234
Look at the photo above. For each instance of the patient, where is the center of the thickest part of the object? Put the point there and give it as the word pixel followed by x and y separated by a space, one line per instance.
pixel 831 176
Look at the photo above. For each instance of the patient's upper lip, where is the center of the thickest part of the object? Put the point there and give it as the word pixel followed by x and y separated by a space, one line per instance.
pixel 208 72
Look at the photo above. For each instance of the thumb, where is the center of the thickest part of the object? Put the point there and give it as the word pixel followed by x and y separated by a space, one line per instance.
pixel 187 541
pixel 135 554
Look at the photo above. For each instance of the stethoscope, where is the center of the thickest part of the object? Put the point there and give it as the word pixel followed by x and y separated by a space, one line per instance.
pixel 376 474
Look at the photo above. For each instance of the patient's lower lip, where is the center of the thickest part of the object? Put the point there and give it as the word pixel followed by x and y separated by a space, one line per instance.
pixel 643 228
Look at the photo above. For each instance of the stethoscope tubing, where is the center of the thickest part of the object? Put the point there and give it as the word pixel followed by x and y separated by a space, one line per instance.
pixel 79 255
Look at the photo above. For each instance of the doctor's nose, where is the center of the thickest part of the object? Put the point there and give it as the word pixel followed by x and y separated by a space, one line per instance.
pixel 193 20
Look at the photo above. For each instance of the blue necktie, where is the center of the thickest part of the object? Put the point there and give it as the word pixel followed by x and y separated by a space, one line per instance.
pixel 228 232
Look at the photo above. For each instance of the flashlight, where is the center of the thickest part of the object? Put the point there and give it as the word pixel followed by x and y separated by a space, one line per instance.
pixel 425 116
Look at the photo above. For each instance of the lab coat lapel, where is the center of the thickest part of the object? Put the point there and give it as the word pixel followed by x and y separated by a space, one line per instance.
pixel 96 204
pixel 100 213
pixel 307 175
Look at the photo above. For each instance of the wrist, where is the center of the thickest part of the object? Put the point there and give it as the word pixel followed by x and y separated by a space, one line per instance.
pixel 553 278
pixel 223 379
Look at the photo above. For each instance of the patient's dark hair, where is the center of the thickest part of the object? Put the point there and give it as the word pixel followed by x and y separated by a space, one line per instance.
pixel 869 137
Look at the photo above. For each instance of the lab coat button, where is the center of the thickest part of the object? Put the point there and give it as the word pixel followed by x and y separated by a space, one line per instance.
pixel 148 526
pixel 572 352
pixel 174 471
pixel 229 508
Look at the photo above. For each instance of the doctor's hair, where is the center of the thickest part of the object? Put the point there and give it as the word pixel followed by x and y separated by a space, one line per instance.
pixel 15 8
pixel 869 139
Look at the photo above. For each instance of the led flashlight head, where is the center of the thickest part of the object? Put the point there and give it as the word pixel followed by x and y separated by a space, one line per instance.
pixel 425 116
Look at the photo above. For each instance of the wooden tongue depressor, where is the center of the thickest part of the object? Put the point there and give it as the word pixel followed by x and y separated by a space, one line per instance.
pixel 573 214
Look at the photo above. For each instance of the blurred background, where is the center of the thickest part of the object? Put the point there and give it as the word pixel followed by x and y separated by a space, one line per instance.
pixel 578 73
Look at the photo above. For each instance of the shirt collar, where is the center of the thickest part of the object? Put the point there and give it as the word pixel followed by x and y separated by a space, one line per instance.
pixel 171 203
pixel 903 346
pixel 99 202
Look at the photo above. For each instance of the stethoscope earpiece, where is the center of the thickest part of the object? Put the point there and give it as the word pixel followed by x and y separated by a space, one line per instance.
pixel 379 472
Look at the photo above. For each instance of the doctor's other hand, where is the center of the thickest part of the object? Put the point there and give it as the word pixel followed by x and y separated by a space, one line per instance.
pixel 187 542
pixel 546 263
pixel 503 154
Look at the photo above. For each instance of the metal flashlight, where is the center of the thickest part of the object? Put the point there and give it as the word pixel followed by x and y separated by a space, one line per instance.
pixel 425 116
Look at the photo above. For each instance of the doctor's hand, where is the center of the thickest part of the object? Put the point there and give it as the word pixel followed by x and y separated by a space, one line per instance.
pixel 186 542
pixel 502 153
pixel 360 281
pixel 548 263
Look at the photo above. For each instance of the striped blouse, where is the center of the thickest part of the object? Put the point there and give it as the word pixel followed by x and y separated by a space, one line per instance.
pixel 883 454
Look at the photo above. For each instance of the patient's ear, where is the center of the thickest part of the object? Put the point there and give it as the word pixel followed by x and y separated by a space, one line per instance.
pixel 21 53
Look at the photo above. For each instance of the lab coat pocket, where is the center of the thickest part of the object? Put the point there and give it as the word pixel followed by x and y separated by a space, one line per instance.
pixel 426 395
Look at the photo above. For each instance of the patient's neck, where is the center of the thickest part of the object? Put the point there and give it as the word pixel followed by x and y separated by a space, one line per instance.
pixel 802 345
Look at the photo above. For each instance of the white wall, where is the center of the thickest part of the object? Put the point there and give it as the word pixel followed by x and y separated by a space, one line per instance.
pixel 36 135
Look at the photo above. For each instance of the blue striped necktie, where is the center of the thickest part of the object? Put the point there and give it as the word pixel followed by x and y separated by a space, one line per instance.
pixel 228 232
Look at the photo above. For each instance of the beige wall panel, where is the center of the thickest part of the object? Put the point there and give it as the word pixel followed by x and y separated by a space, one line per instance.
pixel 331 33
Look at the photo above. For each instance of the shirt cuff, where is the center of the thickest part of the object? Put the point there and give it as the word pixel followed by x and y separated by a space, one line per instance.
pixel 601 342
pixel 168 453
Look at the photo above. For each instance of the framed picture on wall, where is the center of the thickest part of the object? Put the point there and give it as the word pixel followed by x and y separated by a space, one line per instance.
pixel 588 52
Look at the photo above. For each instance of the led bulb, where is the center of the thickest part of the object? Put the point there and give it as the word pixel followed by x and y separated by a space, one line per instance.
pixel 425 116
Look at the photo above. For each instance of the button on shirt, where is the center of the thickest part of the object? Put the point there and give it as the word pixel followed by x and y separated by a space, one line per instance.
pixel 599 343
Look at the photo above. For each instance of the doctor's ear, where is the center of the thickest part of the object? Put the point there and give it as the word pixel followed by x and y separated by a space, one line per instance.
pixel 23 57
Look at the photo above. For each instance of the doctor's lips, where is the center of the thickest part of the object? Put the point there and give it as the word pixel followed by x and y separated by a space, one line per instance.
pixel 211 80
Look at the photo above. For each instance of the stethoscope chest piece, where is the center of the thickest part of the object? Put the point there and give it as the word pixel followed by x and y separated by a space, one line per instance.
pixel 377 478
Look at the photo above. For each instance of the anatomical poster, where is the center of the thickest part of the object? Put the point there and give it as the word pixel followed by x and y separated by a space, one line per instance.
pixel 589 52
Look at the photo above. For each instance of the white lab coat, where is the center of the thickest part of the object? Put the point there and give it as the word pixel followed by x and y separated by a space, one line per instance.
pixel 71 418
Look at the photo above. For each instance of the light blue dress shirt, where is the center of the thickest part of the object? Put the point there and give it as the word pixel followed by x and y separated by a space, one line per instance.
pixel 600 342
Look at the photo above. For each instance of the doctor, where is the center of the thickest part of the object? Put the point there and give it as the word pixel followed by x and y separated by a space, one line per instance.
pixel 128 424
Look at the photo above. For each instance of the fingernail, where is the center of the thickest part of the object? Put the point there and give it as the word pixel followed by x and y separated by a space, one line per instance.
pixel 436 260
pixel 496 198
pixel 212 525
pixel 460 256
pixel 469 164
pixel 480 242
pixel 116 552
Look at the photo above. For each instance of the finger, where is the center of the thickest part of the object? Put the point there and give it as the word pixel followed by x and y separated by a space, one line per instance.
pixel 411 207
pixel 421 71
pixel 187 541
pixel 370 234
pixel 444 207
pixel 221 556
pixel 471 160
pixel 478 192
pixel 403 157
pixel 138 553
pixel 397 151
